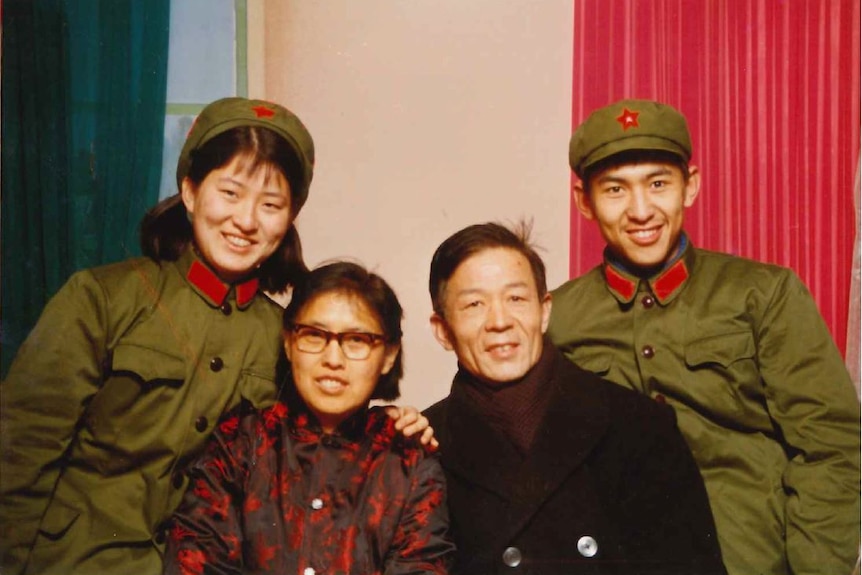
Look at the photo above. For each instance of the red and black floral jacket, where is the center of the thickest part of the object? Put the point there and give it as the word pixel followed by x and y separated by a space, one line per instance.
pixel 274 494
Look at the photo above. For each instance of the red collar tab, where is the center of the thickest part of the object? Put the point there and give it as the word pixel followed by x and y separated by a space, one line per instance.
pixel 246 291
pixel 665 285
pixel 207 282
pixel 623 287
pixel 211 287
pixel 669 282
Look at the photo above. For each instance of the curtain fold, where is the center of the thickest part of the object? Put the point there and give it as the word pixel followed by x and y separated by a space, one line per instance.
pixel 771 90
pixel 854 316
pixel 83 106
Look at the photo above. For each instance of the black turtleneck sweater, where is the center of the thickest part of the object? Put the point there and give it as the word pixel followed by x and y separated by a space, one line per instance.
pixel 514 408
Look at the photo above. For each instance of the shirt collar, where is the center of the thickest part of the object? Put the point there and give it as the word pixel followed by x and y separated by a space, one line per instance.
pixel 304 426
pixel 665 284
pixel 210 287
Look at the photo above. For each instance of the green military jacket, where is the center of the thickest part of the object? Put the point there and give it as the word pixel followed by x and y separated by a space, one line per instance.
pixel 116 388
pixel 740 351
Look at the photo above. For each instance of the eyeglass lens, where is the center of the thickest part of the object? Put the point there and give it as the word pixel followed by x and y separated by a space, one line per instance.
pixel 354 344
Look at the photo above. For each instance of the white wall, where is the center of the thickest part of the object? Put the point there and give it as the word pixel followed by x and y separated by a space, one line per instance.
pixel 427 116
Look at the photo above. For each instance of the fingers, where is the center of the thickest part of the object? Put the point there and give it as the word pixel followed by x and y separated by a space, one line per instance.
pixel 406 417
pixel 410 422
pixel 394 412
pixel 426 432
pixel 429 439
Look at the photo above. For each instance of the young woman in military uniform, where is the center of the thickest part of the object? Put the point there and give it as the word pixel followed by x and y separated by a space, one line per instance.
pixel 132 364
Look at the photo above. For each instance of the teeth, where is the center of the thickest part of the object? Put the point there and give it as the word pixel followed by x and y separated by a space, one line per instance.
pixel 643 233
pixel 505 348
pixel 330 384
pixel 238 242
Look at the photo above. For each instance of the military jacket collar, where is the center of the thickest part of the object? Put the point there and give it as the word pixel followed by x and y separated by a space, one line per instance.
pixel 210 287
pixel 665 285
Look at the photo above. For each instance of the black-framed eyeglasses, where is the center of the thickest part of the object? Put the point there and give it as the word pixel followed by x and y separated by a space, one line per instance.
pixel 354 344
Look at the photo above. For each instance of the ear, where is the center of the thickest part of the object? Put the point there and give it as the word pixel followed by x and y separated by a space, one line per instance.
pixel 187 189
pixel 692 187
pixel 441 332
pixel 389 358
pixel 582 201
pixel 546 311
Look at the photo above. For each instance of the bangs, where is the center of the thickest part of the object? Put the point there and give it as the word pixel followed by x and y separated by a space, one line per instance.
pixel 250 163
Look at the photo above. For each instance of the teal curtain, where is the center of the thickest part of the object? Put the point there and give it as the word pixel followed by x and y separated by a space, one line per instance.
pixel 83 108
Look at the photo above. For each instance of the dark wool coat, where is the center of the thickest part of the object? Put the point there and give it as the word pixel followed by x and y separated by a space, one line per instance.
pixel 608 487
pixel 274 494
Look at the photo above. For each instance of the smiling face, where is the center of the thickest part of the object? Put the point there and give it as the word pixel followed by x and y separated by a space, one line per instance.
pixel 639 208
pixel 333 386
pixel 239 218
pixel 493 317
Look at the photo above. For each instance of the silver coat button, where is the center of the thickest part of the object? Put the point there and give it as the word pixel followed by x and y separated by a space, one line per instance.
pixel 512 556
pixel 316 503
pixel 587 546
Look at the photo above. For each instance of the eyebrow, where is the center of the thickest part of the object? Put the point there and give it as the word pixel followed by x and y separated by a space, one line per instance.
pixel 510 285
pixel 229 180
pixel 268 191
pixel 660 171
pixel 277 193
pixel 326 327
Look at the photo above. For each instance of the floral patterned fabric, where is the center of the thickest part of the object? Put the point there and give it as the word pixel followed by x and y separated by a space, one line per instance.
pixel 274 494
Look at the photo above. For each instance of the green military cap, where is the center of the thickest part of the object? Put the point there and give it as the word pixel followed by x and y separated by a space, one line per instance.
pixel 628 125
pixel 227 113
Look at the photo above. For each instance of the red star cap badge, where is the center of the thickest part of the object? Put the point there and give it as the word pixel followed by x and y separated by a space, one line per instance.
pixel 628 119
pixel 263 112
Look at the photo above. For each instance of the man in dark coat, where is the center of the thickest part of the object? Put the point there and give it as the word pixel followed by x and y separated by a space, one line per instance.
pixel 550 469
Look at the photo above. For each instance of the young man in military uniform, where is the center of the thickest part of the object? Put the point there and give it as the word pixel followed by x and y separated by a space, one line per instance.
pixel 736 347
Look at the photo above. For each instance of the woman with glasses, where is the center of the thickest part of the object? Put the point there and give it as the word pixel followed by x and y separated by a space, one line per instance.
pixel 320 483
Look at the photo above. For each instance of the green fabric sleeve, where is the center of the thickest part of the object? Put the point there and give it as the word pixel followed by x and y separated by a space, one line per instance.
pixel 811 398
pixel 56 371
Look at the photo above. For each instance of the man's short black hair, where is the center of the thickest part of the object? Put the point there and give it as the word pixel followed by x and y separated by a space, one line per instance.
pixel 474 239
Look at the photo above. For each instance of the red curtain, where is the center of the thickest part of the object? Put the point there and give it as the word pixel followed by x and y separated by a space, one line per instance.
pixel 771 90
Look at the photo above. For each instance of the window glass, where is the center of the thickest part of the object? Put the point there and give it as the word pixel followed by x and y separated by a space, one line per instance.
pixel 202 67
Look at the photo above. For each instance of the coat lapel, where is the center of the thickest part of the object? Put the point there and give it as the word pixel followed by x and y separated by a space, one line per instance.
pixel 574 424
pixel 477 452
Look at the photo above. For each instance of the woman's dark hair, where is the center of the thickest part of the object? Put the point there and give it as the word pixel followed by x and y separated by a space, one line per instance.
pixel 166 230
pixel 352 279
